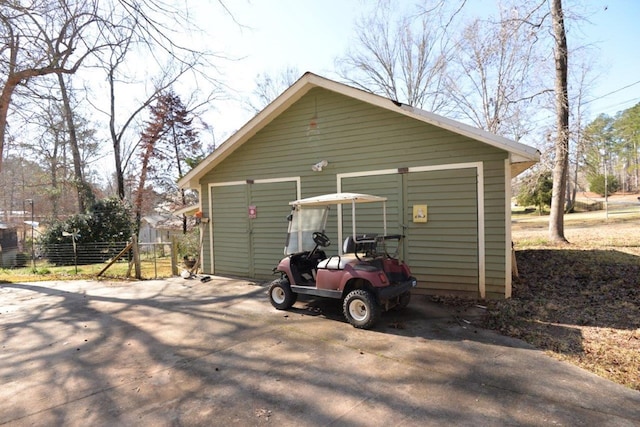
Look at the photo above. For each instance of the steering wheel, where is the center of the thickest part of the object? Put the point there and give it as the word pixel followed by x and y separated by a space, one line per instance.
pixel 321 239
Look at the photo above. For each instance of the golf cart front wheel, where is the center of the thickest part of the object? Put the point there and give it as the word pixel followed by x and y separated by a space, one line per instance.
pixel 360 309
pixel 280 294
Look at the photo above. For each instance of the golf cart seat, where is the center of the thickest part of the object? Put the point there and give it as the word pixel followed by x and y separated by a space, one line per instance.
pixel 352 249
pixel 336 262
pixel 363 243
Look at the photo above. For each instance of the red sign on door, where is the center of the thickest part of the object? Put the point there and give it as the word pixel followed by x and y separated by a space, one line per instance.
pixel 253 212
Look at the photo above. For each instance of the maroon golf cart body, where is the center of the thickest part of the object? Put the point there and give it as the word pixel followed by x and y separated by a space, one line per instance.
pixel 364 274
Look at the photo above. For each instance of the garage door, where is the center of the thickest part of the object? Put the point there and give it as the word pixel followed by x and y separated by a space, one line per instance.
pixel 230 230
pixel 268 230
pixel 442 252
pixel 244 244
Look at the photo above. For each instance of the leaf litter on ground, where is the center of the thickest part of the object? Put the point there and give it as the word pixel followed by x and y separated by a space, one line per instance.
pixel 579 302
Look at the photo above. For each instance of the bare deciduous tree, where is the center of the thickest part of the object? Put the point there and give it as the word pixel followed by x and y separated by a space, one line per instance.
pixel 85 195
pixel 402 58
pixel 142 28
pixel 269 87
pixel 49 145
pixel 61 37
pixel 487 74
pixel 42 38
pixel 578 147
pixel 497 70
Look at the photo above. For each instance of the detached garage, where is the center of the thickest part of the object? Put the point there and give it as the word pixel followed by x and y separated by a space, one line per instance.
pixel 448 185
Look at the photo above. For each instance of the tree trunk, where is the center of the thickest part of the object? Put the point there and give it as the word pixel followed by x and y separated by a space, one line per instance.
pixel 137 206
pixel 635 151
pixel 561 162
pixel 574 191
pixel 5 101
pixel 85 196
pixel 115 137
pixel 182 193
pixel 54 196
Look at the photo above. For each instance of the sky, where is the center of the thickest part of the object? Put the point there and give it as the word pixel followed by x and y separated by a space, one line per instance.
pixel 309 35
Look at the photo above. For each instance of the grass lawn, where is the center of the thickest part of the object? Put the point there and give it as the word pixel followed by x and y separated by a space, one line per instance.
pixel 580 301
pixel 150 269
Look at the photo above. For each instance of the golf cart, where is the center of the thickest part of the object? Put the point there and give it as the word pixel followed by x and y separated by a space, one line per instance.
pixel 365 275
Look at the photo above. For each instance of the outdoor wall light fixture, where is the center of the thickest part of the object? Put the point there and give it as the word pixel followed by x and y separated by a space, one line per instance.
pixel 319 166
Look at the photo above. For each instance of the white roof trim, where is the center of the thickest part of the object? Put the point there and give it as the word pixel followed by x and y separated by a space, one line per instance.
pixel 520 153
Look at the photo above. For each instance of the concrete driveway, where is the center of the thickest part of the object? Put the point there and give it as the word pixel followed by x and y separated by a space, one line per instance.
pixel 182 352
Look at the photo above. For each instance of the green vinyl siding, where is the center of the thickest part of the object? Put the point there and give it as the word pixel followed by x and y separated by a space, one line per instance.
pixel 369 216
pixel 360 138
pixel 351 135
pixel 495 223
pixel 443 252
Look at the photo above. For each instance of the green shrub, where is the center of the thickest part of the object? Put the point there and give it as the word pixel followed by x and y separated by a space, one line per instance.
pixel 108 221
pixel 537 193
pixel 597 184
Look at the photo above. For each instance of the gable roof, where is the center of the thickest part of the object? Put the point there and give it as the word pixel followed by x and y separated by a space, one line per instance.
pixel 522 156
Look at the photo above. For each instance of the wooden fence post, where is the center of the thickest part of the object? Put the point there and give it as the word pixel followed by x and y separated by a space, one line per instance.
pixel 136 257
pixel 116 258
pixel 174 256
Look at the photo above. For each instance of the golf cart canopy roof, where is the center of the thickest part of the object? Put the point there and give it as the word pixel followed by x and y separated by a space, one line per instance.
pixel 337 199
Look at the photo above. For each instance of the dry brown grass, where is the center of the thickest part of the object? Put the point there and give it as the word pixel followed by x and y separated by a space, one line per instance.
pixel 580 302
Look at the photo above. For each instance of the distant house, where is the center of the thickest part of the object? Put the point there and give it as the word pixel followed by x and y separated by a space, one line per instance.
pixel 158 229
pixel 8 246
pixel 321 136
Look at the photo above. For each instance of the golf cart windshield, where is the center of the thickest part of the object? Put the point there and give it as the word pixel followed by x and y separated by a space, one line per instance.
pixel 303 223
pixel 310 215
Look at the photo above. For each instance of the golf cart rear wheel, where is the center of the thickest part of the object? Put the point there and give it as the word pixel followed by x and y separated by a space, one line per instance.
pixel 280 294
pixel 360 309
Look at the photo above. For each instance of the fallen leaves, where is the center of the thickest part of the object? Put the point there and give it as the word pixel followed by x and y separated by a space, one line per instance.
pixel 580 305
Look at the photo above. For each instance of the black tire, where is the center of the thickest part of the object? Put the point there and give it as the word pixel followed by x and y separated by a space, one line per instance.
pixel 280 294
pixel 403 301
pixel 360 309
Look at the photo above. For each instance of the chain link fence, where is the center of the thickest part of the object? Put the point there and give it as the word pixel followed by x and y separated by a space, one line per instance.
pixel 111 260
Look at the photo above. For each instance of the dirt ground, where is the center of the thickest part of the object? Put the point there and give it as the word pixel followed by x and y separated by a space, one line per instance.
pixel 579 301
